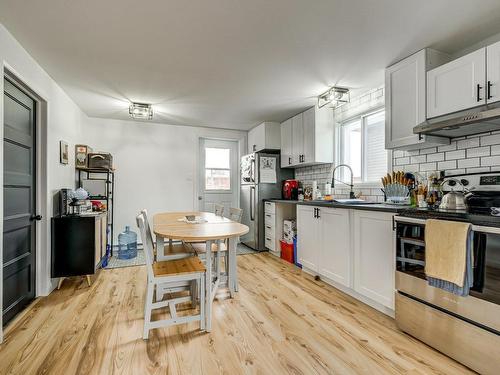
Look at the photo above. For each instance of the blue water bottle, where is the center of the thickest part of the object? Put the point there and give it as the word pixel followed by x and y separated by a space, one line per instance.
pixel 127 244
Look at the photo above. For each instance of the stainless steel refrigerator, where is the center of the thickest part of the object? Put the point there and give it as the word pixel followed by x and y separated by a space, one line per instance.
pixel 261 178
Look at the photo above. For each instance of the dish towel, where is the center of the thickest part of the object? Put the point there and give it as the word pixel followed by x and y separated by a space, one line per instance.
pixel 448 256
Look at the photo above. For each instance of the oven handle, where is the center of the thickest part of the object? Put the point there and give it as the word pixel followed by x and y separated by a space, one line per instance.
pixel 409 220
pixel 475 228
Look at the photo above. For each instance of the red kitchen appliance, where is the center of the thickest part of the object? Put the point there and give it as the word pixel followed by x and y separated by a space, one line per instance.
pixel 291 189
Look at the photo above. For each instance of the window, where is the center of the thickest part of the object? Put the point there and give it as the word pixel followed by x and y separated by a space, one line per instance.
pixel 217 169
pixel 362 147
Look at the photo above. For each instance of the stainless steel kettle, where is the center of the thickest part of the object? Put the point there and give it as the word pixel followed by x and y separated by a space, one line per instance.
pixel 453 200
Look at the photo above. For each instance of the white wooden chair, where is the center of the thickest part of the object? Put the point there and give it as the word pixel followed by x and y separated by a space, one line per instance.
pixel 218 209
pixel 167 273
pixel 172 250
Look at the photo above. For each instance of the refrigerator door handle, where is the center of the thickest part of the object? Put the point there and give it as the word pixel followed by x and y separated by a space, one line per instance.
pixel 252 203
pixel 252 173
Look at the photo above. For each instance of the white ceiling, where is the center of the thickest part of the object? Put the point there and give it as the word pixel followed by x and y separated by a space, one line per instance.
pixel 232 63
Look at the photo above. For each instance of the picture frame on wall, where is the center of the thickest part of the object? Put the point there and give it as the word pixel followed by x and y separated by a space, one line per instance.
pixel 63 152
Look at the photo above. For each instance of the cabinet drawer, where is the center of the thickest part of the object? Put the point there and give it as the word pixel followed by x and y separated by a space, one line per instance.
pixel 269 219
pixel 269 208
pixel 270 243
pixel 269 231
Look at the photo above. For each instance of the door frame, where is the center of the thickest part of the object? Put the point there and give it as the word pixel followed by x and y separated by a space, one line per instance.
pixel 198 181
pixel 43 284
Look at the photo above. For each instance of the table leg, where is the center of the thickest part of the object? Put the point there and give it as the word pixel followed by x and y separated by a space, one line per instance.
pixel 208 286
pixel 233 269
pixel 160 248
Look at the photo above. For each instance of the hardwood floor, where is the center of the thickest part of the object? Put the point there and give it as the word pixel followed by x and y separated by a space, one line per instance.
pixel 281 322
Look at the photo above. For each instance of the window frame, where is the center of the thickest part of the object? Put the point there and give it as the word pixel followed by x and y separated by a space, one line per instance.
pixel 340 148
pixel 217 169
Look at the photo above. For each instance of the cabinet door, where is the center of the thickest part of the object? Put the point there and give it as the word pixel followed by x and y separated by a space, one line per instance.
pixel 286 144
pixel 335 255
pixel 404 100
pixel 309 134
pixel 374 256
pixel 457 85
pixel 297 139
pixel 493 73
pixel 257 138
pixel 308 247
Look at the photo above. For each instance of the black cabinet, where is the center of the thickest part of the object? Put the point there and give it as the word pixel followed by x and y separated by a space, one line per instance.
pixel 78 244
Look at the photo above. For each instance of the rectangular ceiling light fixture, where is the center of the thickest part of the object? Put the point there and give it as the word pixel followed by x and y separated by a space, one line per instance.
pixel 336 96
pixel 141 111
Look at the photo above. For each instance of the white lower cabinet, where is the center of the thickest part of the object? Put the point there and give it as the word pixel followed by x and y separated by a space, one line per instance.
pixel 335 240
pixel 352 248
pixel 308 231
pixel 324 242
pixel 374 258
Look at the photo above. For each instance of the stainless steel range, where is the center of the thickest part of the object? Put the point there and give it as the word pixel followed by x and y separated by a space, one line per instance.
pixel 465 328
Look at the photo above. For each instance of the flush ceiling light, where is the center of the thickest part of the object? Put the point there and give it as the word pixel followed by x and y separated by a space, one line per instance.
pixel 141 111
pixel 336 96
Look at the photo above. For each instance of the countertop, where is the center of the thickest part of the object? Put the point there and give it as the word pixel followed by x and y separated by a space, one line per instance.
pixel 367 207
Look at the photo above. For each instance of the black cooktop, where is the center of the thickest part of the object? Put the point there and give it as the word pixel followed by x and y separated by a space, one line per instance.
pixel 478 216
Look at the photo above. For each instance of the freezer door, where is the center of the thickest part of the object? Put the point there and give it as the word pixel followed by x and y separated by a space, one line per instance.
pixel 248 200
pixel 248 169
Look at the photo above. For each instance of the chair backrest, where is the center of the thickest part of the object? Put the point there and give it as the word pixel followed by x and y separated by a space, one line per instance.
pixel 218 209
pixel 149 233
pixel 148 249
pixel 235 214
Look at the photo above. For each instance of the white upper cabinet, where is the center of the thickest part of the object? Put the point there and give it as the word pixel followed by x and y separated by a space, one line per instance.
pixel 405 101
pixel 297 139
pixel 311 138
pixel 493 73
pixel 374 256
pixel 457 85
pixel 265 136
pixel 286 144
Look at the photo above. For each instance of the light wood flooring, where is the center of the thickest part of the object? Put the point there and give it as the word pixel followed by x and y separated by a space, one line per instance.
pixel 281 322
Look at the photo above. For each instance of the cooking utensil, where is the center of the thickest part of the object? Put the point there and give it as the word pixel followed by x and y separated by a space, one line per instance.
pixel 453 200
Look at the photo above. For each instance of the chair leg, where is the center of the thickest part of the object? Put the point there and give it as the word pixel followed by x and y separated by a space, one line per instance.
pixel 147 310
pixel 201 294
pixel 193 293
pixel 159 293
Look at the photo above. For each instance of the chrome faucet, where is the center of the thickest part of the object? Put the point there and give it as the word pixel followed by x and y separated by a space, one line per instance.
pixel 351 185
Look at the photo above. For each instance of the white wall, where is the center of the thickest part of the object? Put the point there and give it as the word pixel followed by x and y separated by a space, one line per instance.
pixel 63 121
pixel 156 164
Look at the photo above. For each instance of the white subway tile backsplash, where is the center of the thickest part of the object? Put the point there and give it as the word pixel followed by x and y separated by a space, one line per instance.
pixel 468 143
pixel 430 150
pixel 418 159
pixel 399 154
pixel 427 167
pixel 402 161
pixel 478 151
pixel 490 161
pixel 495 150
pixel 438 156
pixel 491 139
pixel 469 163
pixel 413 152
pixel 443 165
pixel 452 146
pixel 453 155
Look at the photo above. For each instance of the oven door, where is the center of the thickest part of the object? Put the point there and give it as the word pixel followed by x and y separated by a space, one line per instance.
pixel 478 307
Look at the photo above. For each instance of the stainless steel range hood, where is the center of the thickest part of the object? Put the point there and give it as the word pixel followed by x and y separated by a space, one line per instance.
pixel 473 121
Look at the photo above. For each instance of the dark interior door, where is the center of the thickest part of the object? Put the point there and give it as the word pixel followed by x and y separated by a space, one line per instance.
pixel 18 200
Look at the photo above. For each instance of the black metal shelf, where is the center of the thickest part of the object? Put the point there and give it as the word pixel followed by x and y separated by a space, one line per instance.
pixel 108 178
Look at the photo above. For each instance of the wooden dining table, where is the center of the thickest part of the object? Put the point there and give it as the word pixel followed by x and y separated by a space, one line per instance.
pixel 214 229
